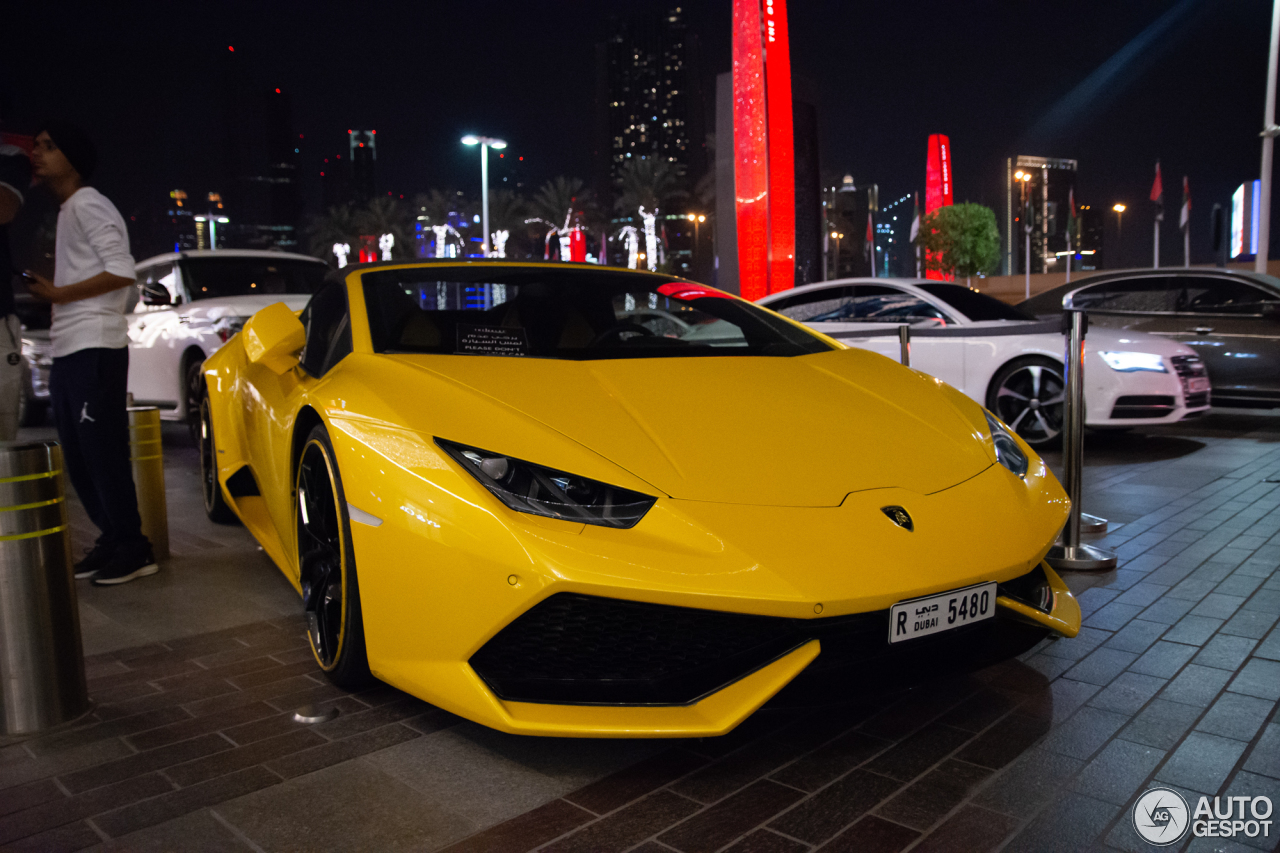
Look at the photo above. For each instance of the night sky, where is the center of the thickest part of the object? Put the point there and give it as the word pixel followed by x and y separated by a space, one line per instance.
pixel 1112 84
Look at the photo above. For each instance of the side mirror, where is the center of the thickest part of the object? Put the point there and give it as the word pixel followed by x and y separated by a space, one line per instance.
pixel 1271 310
pixel 273 338
pixel 153 295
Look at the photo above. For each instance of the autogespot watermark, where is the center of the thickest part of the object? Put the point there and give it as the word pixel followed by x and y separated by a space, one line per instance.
pixel 1162 816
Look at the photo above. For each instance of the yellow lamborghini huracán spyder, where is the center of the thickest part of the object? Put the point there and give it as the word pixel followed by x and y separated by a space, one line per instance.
pixel 569 500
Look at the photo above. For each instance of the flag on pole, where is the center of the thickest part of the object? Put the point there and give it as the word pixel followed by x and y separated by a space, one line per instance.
pixel 1185 219
pixel 1157 188
pixel 1071 213
pixel 871 244
pixel 915 221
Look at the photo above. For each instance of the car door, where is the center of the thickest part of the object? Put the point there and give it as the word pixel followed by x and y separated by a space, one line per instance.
pixel 277 398
pixel 151 336
pixel 1235 326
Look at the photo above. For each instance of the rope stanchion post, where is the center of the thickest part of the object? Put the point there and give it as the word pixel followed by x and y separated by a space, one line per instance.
pixel 904 344
pixel 42 682
pixel 1070 552
pixel 146 454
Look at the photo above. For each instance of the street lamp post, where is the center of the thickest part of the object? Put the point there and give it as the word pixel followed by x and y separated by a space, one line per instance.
pixel 1022 177
pixel 697 219
pixel 485 143
pixel 1119 209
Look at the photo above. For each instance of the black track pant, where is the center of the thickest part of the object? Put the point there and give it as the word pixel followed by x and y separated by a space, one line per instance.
pixel 87 391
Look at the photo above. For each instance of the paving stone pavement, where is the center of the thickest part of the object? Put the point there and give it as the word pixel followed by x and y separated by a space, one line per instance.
pixel 1174 679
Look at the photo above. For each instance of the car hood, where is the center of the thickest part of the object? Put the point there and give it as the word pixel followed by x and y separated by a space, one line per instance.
pixel 802 431
pixel 1103 338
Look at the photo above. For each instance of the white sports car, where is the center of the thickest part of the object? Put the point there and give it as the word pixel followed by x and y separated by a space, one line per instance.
pixel 191 303
pixel 995 353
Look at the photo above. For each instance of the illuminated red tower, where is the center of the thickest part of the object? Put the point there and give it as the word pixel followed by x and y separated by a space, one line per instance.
pixel 937 184
pixel 764 151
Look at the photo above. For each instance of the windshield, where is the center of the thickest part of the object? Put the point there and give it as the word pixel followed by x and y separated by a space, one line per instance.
pixel 567 314
pixel 974 305
pixel 210 278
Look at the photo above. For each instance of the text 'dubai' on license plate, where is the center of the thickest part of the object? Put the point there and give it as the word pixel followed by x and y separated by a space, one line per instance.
pixel 932 614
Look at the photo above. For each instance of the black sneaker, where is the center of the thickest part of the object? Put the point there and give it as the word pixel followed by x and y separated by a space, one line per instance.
pixel 94 559
pixel 124 566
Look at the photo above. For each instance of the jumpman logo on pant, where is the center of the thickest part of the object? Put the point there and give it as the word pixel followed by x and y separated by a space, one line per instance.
pixel 84 414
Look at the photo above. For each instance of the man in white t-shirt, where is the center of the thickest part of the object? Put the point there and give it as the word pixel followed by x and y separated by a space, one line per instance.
pixel 90 293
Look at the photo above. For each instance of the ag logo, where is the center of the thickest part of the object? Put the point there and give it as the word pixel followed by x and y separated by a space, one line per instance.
pixel 1161 816
pixel 899 516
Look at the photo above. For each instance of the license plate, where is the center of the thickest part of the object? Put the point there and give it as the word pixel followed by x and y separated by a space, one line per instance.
pixel 1196 384
pixel 936 613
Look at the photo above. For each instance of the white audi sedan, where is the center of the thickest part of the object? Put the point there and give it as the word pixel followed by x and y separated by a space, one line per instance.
pixel 999 356
pixel 190 303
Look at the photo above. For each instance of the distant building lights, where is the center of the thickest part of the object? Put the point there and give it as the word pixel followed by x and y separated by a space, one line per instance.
pixel 277 90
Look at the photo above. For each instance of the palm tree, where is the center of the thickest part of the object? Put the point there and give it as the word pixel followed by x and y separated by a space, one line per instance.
pixel 436 205
pixel 554 199
pixel 507 210
pixel 648 182
pixel 335 225
pixel 386 215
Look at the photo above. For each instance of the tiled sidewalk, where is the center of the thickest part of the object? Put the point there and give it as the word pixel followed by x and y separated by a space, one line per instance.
pixel 1175 679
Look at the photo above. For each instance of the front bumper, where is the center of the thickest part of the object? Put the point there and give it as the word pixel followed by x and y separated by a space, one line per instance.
pixel 582 650
pixel 1142 398
pixel 837 667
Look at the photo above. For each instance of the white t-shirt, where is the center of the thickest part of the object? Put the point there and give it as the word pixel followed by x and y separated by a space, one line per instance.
pixel 92 238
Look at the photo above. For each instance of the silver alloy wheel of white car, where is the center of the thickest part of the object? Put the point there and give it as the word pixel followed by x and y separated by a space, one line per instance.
pixel 1028 396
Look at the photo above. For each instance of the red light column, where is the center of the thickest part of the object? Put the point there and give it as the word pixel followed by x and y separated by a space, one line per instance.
pixel 937 184
pixel 782 167
pixel 764 150
pixel 750 151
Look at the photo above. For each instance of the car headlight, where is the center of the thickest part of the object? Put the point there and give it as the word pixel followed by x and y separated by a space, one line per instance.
pixel 525 487
pixel 1008 453
pixel 226 327
pixel 1129 362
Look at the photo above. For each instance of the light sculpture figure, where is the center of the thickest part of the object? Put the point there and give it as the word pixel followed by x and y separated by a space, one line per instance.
pixel 443 248
pixel 650 219
pixel 568 233
pixel 341 251
pixel 631 236
pixel 385 242
pixel 500 243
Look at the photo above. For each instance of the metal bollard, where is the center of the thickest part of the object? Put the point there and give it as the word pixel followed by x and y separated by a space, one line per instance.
pixel 1071 553
pixel 41 659
pixel 904 345
pixel 148 476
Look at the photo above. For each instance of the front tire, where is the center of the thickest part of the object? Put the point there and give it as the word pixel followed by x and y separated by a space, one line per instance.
pixel 1028 395
pixel 193 385
pixel 215 505
pixel 326 564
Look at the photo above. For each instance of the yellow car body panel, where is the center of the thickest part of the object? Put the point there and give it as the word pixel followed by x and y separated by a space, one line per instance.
pixel 780 519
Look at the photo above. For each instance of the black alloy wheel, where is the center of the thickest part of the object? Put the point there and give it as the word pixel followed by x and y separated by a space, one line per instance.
pixel 193 385
pixel 330 593
pixel 1028 395
pixel 215 505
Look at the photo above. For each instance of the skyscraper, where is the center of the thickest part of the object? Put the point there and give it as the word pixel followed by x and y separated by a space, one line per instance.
pixel 649 96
